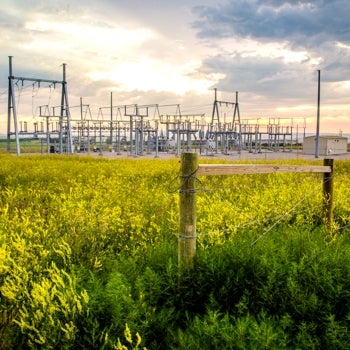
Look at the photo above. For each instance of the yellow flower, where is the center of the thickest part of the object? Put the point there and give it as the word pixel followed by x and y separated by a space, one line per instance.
pixel 127 334
pixel 138 342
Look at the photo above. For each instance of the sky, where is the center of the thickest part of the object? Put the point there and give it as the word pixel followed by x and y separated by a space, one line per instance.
pixel 177 52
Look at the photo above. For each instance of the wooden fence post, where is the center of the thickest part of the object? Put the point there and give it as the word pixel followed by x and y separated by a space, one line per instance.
pixel 187 220
pixel 328 193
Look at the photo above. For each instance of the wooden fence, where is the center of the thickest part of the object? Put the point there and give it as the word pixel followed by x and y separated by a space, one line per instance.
pixel 190 169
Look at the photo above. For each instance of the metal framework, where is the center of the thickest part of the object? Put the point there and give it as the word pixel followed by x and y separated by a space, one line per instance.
pixel 64 122
pixel 228 131
pixel 144 129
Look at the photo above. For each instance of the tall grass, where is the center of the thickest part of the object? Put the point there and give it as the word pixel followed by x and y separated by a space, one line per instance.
pixel 88 258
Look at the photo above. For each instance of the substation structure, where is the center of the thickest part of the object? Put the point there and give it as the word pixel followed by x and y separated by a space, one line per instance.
pixel 137 135
pixel 13 123
pixel 137 130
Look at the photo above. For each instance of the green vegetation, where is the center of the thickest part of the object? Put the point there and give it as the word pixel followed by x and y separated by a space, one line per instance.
pixel 28 145
pixel 88 258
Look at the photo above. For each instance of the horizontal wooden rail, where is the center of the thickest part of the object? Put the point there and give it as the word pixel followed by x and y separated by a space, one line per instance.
pixel 190 169
pixel 231 169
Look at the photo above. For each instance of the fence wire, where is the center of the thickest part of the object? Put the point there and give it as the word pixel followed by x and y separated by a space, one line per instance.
pixel 259 186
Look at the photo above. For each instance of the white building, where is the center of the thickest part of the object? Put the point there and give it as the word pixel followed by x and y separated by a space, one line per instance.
pixel 327 145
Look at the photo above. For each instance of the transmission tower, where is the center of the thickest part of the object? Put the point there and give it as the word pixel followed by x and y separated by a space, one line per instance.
pixel 216 114
pixel 64 117
pixel 235 128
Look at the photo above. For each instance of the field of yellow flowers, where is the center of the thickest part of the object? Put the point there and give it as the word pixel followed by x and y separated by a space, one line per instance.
pixel 88 258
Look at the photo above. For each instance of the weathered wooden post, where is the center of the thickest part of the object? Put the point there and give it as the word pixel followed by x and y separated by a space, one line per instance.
pixel 328 193
pixel 187 220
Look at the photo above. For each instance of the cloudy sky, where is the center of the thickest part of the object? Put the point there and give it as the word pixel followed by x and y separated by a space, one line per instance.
pixel 177 52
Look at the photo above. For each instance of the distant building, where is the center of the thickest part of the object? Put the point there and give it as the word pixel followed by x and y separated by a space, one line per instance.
pixel 327 145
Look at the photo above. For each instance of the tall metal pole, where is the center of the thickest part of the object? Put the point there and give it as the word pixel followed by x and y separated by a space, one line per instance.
pixel 81 131
pixel 12 110
pixel 236 112
pixel 141 134
pixel 118 138
pixel 111 126
pixel 65 110
pixel 60 120
pixel 101 146
pixel 69 126
pixel 48 134
pixel 215 113
pixel 130 132
pixel 157 140
pixel 9 105
pixel 318 115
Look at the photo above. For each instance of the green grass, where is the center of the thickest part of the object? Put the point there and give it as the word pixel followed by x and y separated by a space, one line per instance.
pixel 88 246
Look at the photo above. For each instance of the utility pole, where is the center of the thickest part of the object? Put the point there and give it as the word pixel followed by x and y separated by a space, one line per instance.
pixel 318 115
pixel 215 114
pixel 11 110
pixel 65 112
pixel 111 126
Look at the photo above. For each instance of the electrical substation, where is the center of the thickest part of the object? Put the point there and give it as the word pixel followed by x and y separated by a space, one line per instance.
pixel 137 130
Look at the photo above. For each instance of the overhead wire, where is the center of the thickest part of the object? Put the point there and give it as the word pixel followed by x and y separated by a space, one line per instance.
pixel 19 94
pixel 34 94
pixel 52 92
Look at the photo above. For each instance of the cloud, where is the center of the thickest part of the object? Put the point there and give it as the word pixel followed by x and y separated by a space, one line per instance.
pixel 302 23
pixel 176 51
pixel 271 49
pixel 261 75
